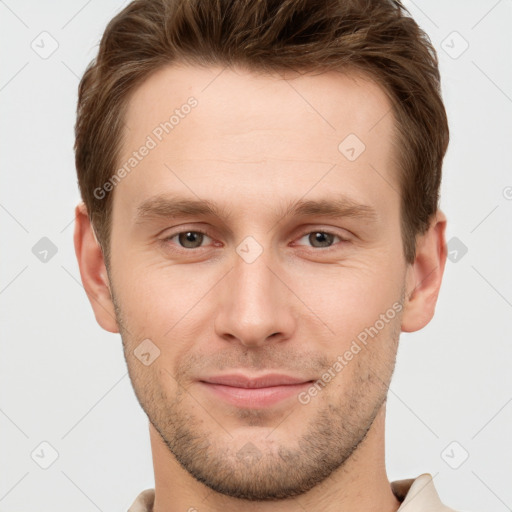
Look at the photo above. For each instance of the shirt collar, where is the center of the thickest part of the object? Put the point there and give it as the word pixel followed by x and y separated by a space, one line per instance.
pixel 420 492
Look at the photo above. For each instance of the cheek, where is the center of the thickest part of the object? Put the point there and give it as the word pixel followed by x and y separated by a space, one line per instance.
pixel 162 304
pixel 350 297
pixel 152 297
pixel 174 301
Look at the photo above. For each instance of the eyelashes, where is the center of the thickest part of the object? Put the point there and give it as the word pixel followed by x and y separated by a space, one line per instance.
pixel 187 237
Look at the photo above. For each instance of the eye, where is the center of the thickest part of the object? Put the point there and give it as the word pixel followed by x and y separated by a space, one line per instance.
pixel 193 239
pixel 322 239
pixel 188 239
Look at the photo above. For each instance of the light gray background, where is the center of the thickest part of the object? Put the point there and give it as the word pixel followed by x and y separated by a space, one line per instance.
pixel 63 379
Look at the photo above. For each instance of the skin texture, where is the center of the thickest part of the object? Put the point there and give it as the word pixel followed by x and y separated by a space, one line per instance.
pixel 254 145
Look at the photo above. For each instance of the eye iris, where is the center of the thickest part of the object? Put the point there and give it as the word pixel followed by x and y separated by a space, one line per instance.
pixel 193 239
pixel 190 237
pixel 325 239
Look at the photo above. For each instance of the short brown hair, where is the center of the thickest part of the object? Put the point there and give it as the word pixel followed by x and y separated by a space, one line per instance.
pixel 377 37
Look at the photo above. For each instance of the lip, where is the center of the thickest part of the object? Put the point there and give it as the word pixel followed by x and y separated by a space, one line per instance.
pixel 254 392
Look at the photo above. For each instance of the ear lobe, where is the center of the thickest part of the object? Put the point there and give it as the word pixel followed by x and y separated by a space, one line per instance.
pixel 424 276
pixel 93 271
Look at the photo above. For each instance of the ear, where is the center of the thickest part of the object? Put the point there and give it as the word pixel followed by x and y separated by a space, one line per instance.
pixel 93 271
pixel 424 276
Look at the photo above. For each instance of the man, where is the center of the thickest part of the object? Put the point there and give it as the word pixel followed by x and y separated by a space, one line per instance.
pixel 260 222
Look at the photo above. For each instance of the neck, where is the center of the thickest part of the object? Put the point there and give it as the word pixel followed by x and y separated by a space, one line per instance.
pixel 360 485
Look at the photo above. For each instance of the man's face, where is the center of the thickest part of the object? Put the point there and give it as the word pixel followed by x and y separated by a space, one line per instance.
pixel 265 290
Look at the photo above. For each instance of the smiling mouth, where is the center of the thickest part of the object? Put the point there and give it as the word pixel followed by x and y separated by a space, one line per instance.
pixel 254 392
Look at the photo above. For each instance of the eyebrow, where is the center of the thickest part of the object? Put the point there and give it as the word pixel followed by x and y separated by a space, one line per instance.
pixel 167 207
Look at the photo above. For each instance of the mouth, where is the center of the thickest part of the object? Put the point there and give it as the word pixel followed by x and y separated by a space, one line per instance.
pixel 254 392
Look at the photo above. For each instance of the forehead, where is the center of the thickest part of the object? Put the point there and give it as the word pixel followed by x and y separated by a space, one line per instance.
pixel 250 132
pixel 333 101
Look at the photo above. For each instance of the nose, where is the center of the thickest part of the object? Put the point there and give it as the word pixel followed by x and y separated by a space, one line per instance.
pixel 255 304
